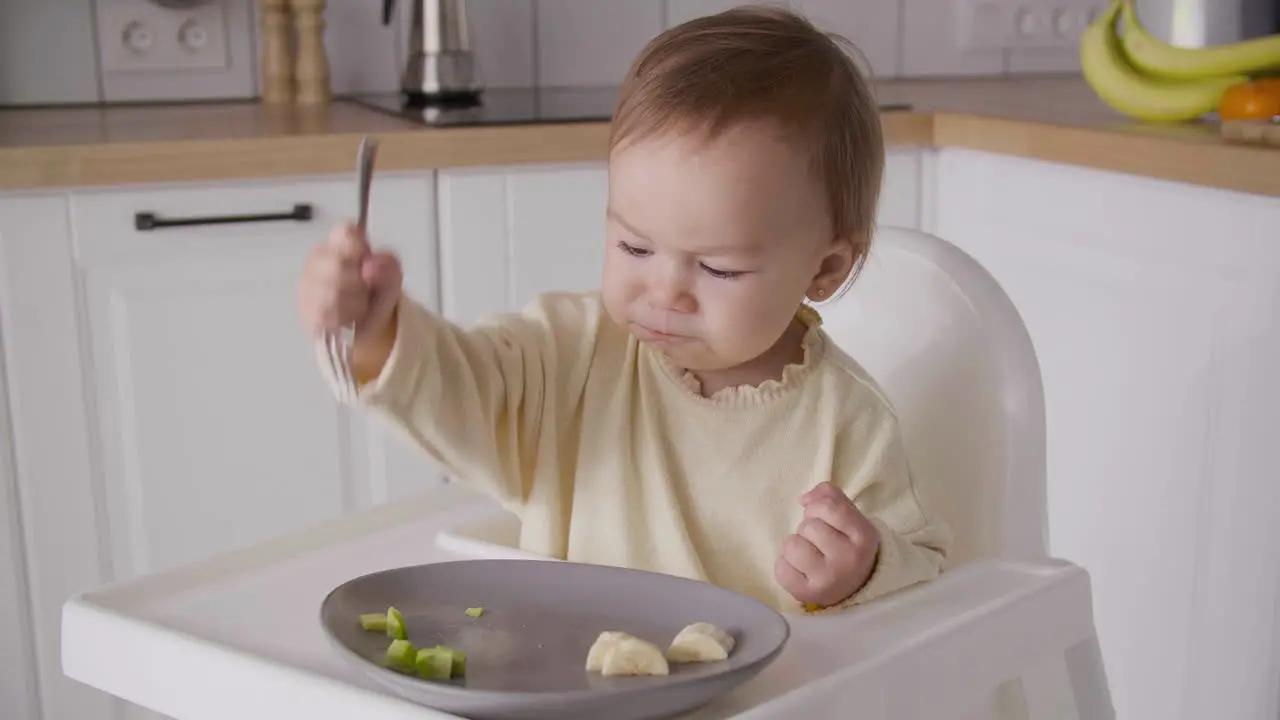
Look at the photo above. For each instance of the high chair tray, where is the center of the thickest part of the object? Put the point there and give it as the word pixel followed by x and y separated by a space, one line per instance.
pixel 239 636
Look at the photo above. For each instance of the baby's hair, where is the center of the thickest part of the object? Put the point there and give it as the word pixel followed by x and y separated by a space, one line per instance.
pixel 766 63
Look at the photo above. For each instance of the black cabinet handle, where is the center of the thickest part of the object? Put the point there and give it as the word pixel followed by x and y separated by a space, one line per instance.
pixel 301 212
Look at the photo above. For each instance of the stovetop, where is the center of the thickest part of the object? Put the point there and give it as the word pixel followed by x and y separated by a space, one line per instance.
pixel 515 106
pixel 504 106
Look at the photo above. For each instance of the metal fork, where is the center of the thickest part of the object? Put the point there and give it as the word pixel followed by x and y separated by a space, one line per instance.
pixel 339 346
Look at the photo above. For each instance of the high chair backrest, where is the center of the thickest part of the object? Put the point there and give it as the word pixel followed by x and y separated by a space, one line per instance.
pixel 947 346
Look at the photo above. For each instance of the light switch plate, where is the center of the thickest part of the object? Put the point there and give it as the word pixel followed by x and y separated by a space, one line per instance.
pixel 1016 24
pixel 136 35
pixel 150 52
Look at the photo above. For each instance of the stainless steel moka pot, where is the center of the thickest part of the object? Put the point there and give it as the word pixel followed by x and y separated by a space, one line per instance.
pixel 441 68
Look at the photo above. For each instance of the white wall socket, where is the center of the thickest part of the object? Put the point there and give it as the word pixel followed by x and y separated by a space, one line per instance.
pixel 139 35
pixel 1013 24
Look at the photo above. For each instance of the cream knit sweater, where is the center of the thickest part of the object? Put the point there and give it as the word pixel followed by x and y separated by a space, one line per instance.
pixel 610 455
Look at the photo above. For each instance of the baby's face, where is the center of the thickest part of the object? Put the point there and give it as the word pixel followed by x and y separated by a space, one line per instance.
pixel 712 246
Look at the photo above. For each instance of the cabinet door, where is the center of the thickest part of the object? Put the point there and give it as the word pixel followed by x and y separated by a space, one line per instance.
pixel 169 406
pixel 43 218
pixel 1152 306
pixel 507 234
pixel 905 191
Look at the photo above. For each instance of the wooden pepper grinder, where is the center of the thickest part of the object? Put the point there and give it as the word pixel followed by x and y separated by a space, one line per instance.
pixel 277 53
pixel 312 69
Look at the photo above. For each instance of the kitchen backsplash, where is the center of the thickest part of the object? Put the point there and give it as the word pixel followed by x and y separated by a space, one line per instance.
pixel 64 51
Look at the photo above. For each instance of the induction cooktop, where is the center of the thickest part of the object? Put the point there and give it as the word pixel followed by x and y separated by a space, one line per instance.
pixel 513 106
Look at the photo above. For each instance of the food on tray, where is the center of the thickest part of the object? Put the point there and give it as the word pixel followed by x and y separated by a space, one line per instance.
pixel 633 656
pixel 459 661
pixel 601 647
pixel 613 653
pixel 435 663
pixel 401 654
pixel 391 622
pixel 700 642
pixel 441 663
pixel 618 653
pixel 374 621
pixel 395 624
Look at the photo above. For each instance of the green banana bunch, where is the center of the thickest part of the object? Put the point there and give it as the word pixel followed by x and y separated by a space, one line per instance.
pixel 1142 93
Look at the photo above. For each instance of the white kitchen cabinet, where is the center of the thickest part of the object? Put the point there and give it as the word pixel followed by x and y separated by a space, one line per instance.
pixel 1153 308
pixel 904 192
pixel 166 403
pixel 509 233
pixel 34 217
pixel 17 655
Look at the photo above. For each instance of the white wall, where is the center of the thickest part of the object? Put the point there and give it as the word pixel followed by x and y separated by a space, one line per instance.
pixel 591 42
pixel 519 42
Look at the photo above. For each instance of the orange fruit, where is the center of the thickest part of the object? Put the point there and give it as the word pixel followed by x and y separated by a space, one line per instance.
pixel 1258 98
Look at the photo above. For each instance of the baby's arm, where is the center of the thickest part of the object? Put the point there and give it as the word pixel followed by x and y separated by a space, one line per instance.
pixel 478 399
pixel 913 543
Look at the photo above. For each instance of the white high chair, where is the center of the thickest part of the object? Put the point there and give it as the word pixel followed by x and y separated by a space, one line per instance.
pixel 1006 632
pixel 951 351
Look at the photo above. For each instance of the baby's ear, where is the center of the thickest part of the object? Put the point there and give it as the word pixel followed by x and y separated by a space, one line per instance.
pixel 838 265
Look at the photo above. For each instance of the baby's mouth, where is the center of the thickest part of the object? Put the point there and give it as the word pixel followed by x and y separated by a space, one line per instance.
pixel 644 332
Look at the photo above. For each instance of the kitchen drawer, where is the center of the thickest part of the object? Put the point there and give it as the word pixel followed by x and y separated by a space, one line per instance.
pixel 165 402
pixel 104 222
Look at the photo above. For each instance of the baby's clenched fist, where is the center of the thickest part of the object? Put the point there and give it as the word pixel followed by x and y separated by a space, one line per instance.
pixel 344 282
pixel 833 551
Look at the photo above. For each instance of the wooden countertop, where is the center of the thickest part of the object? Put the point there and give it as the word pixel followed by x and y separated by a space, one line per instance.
pixel 1055 118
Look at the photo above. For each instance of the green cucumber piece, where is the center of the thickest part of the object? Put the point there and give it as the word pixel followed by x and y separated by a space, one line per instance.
pixel 435 663
pixel 401 654
pixel 475 612
pixel 374 621
pixel 395 624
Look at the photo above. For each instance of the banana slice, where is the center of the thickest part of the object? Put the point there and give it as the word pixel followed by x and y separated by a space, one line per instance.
pixel 633 656
pixel 601 647
pixel 700 642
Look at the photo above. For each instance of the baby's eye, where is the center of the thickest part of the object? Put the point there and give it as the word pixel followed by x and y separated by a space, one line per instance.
pixel 722 274
pixel 633 250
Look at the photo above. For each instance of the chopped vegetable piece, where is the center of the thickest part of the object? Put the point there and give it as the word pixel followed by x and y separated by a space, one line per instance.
pixel 401 654
pixel 475 612
pixel 441 663
pixel 374 621
pixel 395 624
pixel 459 664
pixel 435 663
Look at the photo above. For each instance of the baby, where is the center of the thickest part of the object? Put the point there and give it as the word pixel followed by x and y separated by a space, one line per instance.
pixel 691 417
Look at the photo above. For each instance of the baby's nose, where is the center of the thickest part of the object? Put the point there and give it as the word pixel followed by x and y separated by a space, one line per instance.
pixel 684 303
pixel 673 299
pixel 669 290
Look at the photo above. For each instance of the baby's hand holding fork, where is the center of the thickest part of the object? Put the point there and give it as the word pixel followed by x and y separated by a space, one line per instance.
pixel 345 282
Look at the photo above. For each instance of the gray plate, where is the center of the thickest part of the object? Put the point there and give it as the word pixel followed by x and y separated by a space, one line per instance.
pixel 526 654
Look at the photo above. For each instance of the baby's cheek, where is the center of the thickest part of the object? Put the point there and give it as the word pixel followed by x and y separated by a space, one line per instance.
pixel 616 291
pixel 731 331
pixel 758 325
